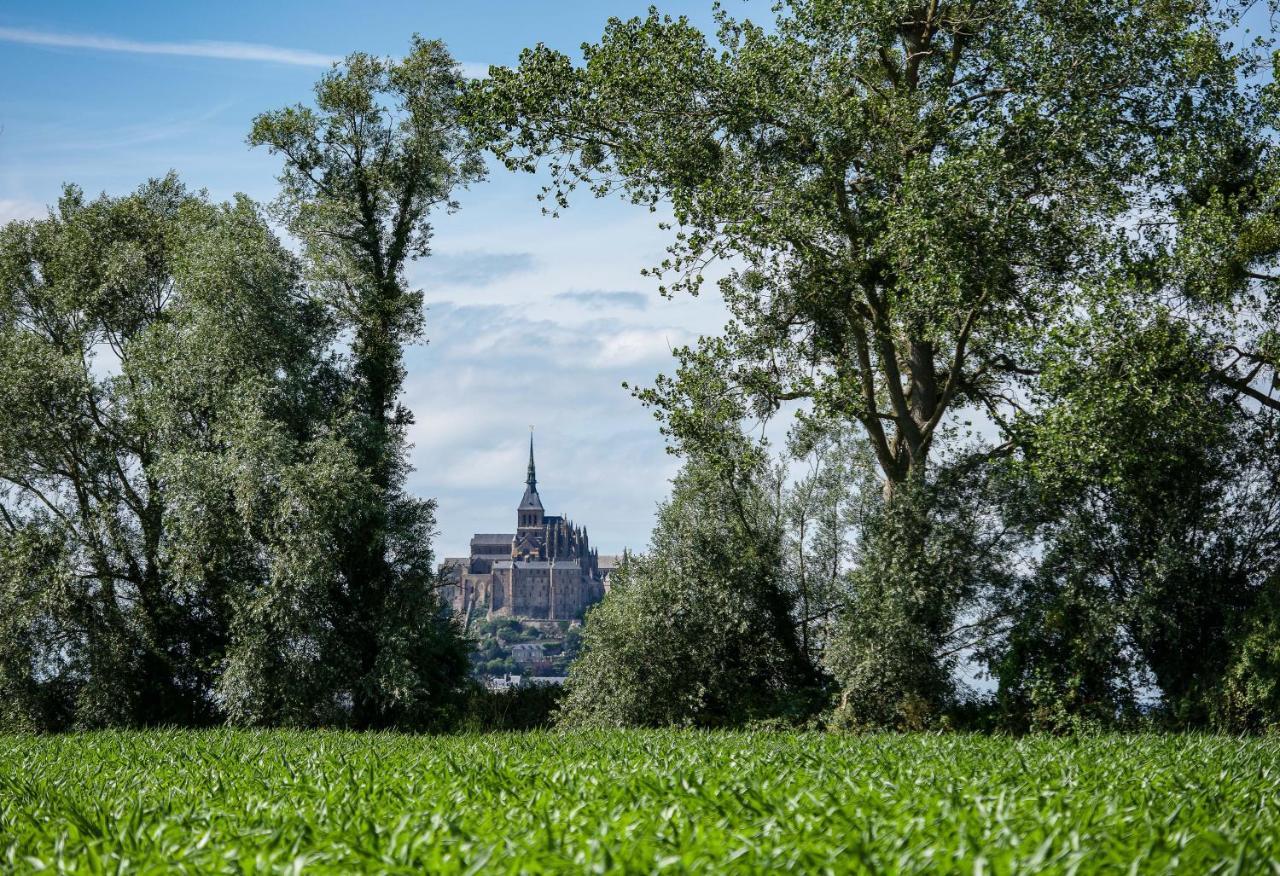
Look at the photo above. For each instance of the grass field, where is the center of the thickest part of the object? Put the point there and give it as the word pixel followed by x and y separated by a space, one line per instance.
pixel 248 802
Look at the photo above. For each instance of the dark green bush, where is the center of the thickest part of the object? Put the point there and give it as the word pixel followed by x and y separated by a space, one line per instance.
pixel 527 707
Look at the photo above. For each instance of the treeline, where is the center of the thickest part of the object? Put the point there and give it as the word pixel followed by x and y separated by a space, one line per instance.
pixel 1001 271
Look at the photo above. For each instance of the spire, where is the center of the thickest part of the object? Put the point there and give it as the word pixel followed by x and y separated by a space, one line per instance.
pixel 532 479
pixel 530 501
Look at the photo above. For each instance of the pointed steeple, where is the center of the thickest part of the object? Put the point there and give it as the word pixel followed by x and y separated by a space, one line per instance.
pixel 530 510
pixel 532 479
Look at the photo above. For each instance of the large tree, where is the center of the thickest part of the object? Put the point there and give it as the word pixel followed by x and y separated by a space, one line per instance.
pixel 365 168
pixel 901 195
pixel 140 338
pixel 899 189
pixel 1152 487
pixel 1148 442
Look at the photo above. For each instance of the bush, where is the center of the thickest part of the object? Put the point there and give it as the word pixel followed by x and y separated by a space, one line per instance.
pixel 1249 698
pixel 527 707
pixel 698 632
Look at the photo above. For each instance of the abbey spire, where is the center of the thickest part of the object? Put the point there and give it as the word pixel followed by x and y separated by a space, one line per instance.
pixel 529 514
pixel 532 479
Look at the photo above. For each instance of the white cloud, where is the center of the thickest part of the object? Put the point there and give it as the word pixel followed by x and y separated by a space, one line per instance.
pixel 11 210
pixel 633 346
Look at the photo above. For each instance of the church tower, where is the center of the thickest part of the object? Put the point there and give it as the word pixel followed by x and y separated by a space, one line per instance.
pixel 529 516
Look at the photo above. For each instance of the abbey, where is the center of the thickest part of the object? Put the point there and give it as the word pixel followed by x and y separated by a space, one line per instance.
pixel 545 570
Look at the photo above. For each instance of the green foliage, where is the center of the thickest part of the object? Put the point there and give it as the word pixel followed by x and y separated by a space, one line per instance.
pixel 492 640
pixel 1248 699
pixel 1154 494
pixel 905 203
pixel 364 169
pixel 523 707
pixel 202 514
pixel 572 643
pixel 1064 665
pixel 699 631
pixel 159 368
pixel 884 648
pixel 928 560
pixel 227 802
pixel 827 492
pixel 904 192
pixel 34 591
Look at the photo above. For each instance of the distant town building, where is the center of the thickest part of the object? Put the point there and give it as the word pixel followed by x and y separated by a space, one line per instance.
pixel 528 652
pixel 545 570
pixel 507 682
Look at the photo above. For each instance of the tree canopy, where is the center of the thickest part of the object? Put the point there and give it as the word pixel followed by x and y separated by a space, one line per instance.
pixel 901 190
pixel 913 209
pixel 156 356
pixel 364 169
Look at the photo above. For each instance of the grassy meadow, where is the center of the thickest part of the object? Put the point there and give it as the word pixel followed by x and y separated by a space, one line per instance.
pixel 327 802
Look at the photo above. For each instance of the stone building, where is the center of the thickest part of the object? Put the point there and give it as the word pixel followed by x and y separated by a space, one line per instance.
pixel 545 570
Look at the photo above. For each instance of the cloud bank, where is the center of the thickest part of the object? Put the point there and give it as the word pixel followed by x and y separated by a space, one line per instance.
pixel 12 209
pixel 476 268
pixel 597 299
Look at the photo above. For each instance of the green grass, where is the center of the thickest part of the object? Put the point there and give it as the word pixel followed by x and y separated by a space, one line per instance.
pixel 247 802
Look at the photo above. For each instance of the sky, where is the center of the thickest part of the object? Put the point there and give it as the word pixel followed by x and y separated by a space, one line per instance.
pixel 531 321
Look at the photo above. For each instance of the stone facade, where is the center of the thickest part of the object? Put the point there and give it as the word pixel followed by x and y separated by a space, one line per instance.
pixel 545 570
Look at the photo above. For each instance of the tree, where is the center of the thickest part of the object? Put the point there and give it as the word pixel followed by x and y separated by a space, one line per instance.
pixel 363 172
pixel 827 491
pixel 908 621
pixel 700 631
pixel 1145 440
pixel 1148 441
pixel 903 188
pixel 1154 493
pixel 139 337
pixel 902 193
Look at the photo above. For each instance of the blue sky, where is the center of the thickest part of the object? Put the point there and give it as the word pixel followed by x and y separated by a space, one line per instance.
pixel 530 320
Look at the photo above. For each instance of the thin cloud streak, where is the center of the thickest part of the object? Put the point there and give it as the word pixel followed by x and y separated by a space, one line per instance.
pixel 196 49
pixel 223 51
pixel 476 268
pixel 598 299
